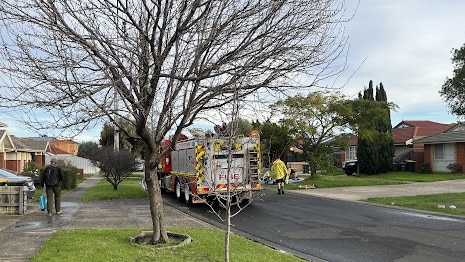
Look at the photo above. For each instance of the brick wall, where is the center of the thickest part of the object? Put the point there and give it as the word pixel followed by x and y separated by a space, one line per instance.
pixel 2 159
pixel 428 155
pixel 460 155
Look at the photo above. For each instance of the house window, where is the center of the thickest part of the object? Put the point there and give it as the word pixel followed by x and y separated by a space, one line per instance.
pixel 351 153
pixel 439 151
pixel 444 154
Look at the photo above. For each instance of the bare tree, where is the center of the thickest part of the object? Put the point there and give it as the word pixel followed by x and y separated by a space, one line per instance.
pixel 167 61
pixel 115 165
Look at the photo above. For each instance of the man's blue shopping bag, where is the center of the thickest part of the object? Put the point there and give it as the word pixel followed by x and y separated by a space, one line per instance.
pixel 42 202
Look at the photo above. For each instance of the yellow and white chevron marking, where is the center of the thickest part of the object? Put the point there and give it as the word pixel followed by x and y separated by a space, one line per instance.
pixel 199 153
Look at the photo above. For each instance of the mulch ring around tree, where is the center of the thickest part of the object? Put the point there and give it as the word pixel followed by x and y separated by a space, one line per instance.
pixel 174 240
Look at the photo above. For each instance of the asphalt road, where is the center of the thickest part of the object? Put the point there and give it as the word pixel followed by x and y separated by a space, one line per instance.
pixel 321 229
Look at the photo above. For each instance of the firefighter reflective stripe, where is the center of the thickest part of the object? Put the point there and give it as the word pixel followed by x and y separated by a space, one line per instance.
pixel 199 154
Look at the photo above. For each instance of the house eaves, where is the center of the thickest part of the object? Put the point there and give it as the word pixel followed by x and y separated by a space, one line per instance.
pixel 24 144
pixel 443 138
pixel 5 138
pixel 19 145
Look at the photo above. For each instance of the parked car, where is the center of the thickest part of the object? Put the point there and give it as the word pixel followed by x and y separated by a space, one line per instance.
pixel 13 179
pixel 350 167
pixel 139 166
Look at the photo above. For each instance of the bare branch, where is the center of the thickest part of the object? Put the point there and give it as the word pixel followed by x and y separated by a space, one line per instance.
pixel 169 62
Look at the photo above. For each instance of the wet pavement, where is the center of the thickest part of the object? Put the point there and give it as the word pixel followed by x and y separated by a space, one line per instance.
pixel 21 236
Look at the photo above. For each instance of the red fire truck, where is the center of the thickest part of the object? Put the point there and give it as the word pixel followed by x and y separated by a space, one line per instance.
pixel 201 167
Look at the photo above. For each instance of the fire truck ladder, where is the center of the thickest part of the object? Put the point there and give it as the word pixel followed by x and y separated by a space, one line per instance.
pixel 254 165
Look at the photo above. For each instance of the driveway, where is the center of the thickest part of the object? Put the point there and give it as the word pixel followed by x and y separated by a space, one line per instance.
pixel 357 193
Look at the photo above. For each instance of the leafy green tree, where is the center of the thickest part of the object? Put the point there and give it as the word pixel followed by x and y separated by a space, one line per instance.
pixel 88 149
pixel 453 90
pixel 107 135
pixel 240 127
pixel 274 138
pixel 373 122
pixel 384 127
pixel 316 119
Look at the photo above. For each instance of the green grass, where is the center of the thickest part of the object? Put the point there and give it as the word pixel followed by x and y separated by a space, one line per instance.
pixel 427 202
pixel 417 177
pixel 113 245
pixel 128 189
pixel 392 178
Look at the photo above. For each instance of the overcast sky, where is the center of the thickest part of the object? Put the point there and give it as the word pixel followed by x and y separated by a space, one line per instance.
pixel 405 44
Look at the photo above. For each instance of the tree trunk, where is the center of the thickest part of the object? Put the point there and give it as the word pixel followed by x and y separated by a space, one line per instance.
pixel 156 207
pixel 313 171
pixel 228 231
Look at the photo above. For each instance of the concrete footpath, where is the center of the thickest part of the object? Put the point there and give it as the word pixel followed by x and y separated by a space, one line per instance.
pixel 21 236
pixel 357 193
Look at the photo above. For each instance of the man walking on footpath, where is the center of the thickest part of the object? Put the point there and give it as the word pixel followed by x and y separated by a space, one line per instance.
pixel 279 171
pixel 52 180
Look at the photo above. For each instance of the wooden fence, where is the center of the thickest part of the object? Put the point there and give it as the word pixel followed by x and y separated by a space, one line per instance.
pixel 13 200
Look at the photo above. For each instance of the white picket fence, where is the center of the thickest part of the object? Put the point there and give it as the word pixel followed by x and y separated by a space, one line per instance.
pixel 79 162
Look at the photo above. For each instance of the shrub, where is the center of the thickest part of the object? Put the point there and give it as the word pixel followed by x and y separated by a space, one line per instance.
pixel 31 170
pixel 455 168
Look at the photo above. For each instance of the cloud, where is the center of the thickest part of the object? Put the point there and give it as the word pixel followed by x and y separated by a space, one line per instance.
pixel 407 46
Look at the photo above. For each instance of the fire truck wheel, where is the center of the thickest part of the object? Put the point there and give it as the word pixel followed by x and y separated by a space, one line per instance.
pixel 187 195
pixel 178 190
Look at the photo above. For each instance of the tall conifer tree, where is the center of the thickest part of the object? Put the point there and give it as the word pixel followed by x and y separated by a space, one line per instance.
pixel 375 151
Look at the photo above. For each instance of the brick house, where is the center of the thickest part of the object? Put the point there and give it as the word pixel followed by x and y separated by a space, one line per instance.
pixel 16 152
pixel 445 148
pixel 64 146
pixel 6 145
pixel 404 135
pixel 26 150
pixel 406 132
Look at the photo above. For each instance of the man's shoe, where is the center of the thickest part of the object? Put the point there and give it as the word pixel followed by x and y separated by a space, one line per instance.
pixel 59 213
pixel 49 214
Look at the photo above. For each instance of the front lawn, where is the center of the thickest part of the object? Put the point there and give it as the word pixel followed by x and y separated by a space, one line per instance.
pixel 447 203
pixel 113 245
pixel 393 178
pixel 130 188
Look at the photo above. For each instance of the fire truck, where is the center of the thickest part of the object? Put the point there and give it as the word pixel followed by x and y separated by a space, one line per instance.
pixel 202 167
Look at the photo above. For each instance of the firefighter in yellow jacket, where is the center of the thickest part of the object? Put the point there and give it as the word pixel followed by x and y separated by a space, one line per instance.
pixel 279 173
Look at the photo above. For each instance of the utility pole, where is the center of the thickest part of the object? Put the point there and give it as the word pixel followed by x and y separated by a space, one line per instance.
pixel 116 133
pixel 115 101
